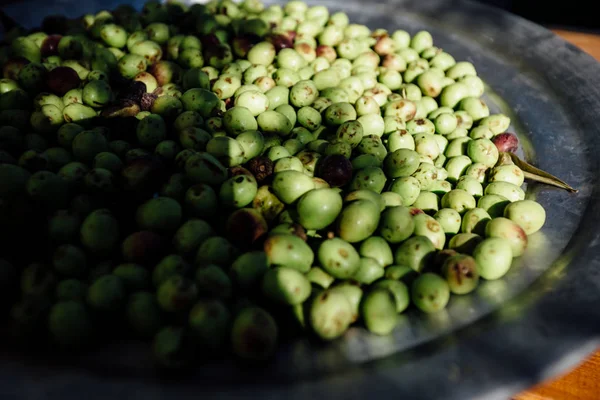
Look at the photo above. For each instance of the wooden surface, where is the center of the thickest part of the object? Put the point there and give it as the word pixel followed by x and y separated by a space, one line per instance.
pixel 583 383
pixel 588 42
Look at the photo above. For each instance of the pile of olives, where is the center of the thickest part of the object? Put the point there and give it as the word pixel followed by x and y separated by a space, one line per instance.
pixel 222 177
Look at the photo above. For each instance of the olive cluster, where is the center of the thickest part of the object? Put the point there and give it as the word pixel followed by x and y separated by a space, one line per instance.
pixel 222 176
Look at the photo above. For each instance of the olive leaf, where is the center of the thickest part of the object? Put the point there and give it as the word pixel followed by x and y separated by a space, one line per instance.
pixel 537 175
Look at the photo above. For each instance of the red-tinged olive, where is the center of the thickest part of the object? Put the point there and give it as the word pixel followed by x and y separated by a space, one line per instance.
pixel 280 42
pixel 291 35
pixel 326 52
pixel 228 103
pixel 166 72
pixel 506 142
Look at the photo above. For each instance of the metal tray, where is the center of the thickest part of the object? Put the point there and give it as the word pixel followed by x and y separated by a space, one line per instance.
pixel 541 319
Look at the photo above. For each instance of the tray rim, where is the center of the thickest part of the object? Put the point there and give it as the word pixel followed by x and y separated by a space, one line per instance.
pixel 575 351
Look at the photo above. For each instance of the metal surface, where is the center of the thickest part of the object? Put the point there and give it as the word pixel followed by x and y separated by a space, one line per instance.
pixel 538 321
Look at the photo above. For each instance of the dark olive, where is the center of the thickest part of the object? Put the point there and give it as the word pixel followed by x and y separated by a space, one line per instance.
pixel 62 79
pixel 50 45
pixel 336 170
pixel 261 167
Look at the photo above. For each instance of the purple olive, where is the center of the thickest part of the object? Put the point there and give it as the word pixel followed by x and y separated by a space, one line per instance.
pixel 506 142
pixel 336 170
pixel 62 79
pixel 50 45
pixel 242 44
pixel 280 42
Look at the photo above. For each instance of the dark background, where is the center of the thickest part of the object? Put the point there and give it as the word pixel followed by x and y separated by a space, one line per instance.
pixel 575 14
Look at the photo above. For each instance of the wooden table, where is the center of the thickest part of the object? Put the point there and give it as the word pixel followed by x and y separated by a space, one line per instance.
pixel 583 383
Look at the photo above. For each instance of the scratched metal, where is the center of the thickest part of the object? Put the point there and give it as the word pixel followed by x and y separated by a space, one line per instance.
pixel 537 322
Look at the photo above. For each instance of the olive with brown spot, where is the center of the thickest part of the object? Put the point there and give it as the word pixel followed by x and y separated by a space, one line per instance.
pixel 510 231
pixel 284 249
pixel 397 224
pixel 339 258
pixel 475 221
pixel 430 228
pixel 286 286
pixel 430 293
pixel 267 203
pixel 377 247
pixel 330 314
pixel 369 178
pixel 461 273
pixel 238 191
pixel 494 257
pixel 415 252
